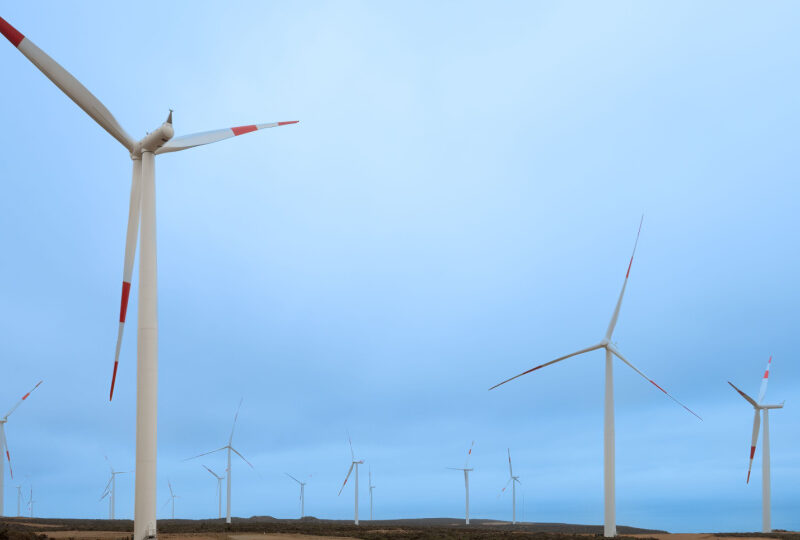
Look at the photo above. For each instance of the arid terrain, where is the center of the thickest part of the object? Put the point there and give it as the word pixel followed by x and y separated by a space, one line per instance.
pixel 309 528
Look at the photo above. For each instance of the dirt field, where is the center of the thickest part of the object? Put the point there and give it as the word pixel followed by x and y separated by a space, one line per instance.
pixel 268 528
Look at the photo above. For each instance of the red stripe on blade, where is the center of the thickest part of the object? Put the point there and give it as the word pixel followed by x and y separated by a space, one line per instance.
pixel 241 130
pixel 752 451
pixel 287 123
pixel 654 384
pixel 25 396
pixel 10 32
pixel 113 380
pixel 748 477
pixel 628 273
pixel 123 307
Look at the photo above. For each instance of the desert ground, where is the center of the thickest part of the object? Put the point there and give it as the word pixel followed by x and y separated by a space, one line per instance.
pixel 309 528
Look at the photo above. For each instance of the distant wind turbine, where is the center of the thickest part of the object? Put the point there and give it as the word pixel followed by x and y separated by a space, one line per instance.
pixel 229 447
pixel 513 480
pixel 172 498
pixel 610 527
pixel 31 501
pixel 4 442
pixel 19 500
pixel 354 463
pixel 466 470
pixel 758 406
pixel 219 488
pixel 302 495
pixel 111 490
pixel 371 487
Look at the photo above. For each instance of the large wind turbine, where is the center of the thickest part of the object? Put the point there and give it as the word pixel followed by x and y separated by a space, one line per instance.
pixel 230 449
pixel 610 527
pixel 142 208
pixel 513 480
pixel 371 487
pixel 3 441
pixel 219 488
pixel 466 470
pixel 302 495
pixel 758 406
pixel 354 463
pixel 111 490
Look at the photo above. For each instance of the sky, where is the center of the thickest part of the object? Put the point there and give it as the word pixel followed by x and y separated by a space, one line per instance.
pixel 458 204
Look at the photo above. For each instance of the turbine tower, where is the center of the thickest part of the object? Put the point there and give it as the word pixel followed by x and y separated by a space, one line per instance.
pixel 142 208
pixel 513 480
pixel 3 441
pixel 353 463
pixel 466 470
pixel 229 447
pixel 371 487
pixel 610 527
pixel 759 406
pixel 111 490
pixel 19 500
pixel 219 488
pixel 302 495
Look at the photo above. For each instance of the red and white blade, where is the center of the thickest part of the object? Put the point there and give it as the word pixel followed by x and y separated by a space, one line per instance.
pixel 613 323
pixel 756 425
pixel 4 448
pixel 207 137
pixel 68 84
pixel 551 362
pixel 346 477
pixel 23 398
pixel 764 381
pixel 651 381
pixel 131 239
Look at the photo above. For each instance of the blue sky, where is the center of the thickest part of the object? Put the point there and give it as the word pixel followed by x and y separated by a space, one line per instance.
pixel 458 204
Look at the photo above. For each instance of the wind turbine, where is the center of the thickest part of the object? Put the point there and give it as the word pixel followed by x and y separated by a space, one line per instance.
pixel 19 500
pixel 142 208
pixel 371 487
pixel 758 406
pixel 354 463
pixel 513 480
pixel 302 495
pixel 466 470
pixel 172 497
pixel 30 502
pixel 230 449
pixel 111 490
pixel 3 441
pixel 610 527
pixel 219 488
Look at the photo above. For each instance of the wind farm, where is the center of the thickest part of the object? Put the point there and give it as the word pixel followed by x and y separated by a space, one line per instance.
pixel 448 207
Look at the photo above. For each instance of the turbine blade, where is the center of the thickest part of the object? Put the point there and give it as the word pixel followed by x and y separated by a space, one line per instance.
pixel 170 489
pixel 352 454
pixel 4 448
pixel 205 453
pixel 293 478
pixel 764 382
pixel 651 381
pixel 23 398
pixel 346 477
pixel 230 440
pixel 750 400
pixel 131 238
pixel 756 425
pixel 198 139
pixel 107 489
pixel 469 455
pixel 614 317
pixel 551 362
pixel 241 456
pixel 68 84
pixel 504 487
pixel 212 472
pixel 510 471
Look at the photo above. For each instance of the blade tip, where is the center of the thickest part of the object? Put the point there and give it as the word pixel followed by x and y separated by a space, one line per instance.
pixel 12 34
pixel 288 122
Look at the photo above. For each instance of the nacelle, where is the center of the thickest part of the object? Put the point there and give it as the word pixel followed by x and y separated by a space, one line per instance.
pixel 155 139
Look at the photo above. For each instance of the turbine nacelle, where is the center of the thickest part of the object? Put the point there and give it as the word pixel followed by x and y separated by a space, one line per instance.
pixel 155 139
